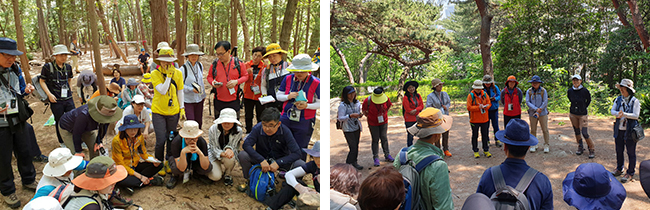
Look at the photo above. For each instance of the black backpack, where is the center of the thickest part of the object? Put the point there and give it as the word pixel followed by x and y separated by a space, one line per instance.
pixel 214 74
pixel 507 198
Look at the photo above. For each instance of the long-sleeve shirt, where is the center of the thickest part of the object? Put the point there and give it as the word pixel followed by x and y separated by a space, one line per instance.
pixel 128 153
pixel 215 148
pixel 299 172
pixel 374 111
pixel 165 90
pixel 434 179
pixel 272 76
pixel 254 80
pixel 349 124
pixel 437 99
pixel 281 146
pixel 410 105
pixel 580 100
pixel 631 108
pixel 537 99
pixel 495 95
pixel 11 91
pixel 539 192
pixel 194 75
pixel 225 74
pixel 127 95
pixel 312 94
pixel 78 122
pixel 474 104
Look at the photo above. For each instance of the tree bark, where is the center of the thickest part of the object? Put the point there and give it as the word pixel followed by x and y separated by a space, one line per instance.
pixel 296 36
pixel 143 38
pixel 638 24
pixel 244 25
pixel 159 22
pixel 308 24
pixel 259 24
pixel 20 39
pixel 314 41
pixel 120 28
pixel 212 32
pixel 90 7
pixel 620 13
pixel 180 29
pixel 345 63
pixel 274 22
pixel 197 27
pixel 62 39
pixel 402 80
pixel 100 14
pixel 287 23
pixel 486 21
pixel 233 23
pixel 43 31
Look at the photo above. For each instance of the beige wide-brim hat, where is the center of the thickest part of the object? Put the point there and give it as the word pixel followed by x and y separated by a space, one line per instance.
pixel 193 49
pixel 273 49
pixel 161 45
pixel 104 109
pixel 430 121
pixel 190 130
pixel 478 84
pixel 436 82
pixel 165 54
pixel 61 161
pixel 61 50
pixel 227 115
pixel 302 63
pixel 626 83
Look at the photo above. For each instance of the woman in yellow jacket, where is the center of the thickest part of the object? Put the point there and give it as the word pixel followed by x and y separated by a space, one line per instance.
pixel 478 103
pixel 130 152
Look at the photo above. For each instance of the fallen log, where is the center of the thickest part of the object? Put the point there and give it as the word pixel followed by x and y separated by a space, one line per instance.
pixel 127 70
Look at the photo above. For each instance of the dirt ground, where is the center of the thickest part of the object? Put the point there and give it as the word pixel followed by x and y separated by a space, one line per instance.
pixel 191 195
pixel 466 171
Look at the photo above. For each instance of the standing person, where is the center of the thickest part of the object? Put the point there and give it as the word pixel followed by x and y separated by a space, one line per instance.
pixel 514 169
pixel 252 88
pixel 300 93
pixel 56 78
pixel 194 90
pixel 478 103
pixel 155 55
pixel 376 107
pixel 349 114
pixel 12 88
pixel 580 99
pixel 143 59
pixel 274 73
pixel 495 96
pixel 626 108
pixel 440 100
pixel 118 79
pixel 412 105
pixel 537 101
pixel 189 154
pixel 168 102
pixel 511 97
pixel 225 75
pixel 76 53
pixel 223 148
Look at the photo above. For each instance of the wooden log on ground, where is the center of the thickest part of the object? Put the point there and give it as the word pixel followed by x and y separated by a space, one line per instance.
pixel 127 70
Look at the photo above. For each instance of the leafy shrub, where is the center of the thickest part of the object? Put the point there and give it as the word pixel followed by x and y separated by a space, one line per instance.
pixel 644 116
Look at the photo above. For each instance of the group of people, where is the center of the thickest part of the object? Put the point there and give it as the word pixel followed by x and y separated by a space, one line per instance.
pixel 278 142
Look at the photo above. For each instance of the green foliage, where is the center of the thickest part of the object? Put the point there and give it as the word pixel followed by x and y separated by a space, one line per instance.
pixel 29 56
pixel 644 116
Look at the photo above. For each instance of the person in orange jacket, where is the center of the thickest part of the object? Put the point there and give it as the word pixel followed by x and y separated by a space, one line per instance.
pixel 478 103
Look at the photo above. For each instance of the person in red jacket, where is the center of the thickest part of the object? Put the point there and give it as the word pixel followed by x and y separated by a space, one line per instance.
pixel 225 77
pixel 511 97
pixel 478 104
pixel 412 105
pixel 252 91
pixel 376 108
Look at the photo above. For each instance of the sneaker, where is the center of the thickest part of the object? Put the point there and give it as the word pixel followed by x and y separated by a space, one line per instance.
pixel 390 158
pixel 533 149
pixel 162 172
pixel 357 166
pixel 592 154
pixel 120 202
pixel 617 173
pixel 498 143
pixel 447 153
pixel 376 161
pixel 41 158
pixel 12 201
pixel 580 151
pixel 476 155
pixel 127 190
pixel 31 186
pixel 546 150
pixel 157 181
pixel 626 178
pixel 167 168
pixel 227 180
pixel 171 183
pixel 242 187
pixel 487 154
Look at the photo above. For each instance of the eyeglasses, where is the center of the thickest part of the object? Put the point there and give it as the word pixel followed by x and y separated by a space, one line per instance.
pixel 7 56
pixel 221 54
pixel 270 126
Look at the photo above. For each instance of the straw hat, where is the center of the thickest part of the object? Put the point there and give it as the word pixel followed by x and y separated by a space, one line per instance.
pixel 378 96
pixel 193 49
pixel 478 84
pixel 60 162
pixel 61 50
pixel 104 109
pixel 626 83
pixel 190 130
pixel 114 87
pixel 101 172
pixel 273 49
pixel 302 63
pixel 227 115
pixel 430 121
pixel 165 54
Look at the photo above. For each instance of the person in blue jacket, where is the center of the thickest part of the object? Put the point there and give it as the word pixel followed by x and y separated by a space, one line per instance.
pixel 495 95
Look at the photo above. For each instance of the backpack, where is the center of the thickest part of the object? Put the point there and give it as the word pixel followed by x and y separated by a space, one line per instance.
pixel 411 178
pixel 214 73
pixel 40 93
pixel 185 66
pixel 507 198
pixel 62 192
pixel 261 184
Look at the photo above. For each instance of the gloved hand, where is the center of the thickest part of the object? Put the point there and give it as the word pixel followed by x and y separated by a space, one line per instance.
pixel 182 115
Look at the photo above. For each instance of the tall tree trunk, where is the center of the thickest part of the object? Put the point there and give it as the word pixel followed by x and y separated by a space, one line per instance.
pixel 60 9
pixel 212 32
pixel 100 14
pixel 307 30
pixel 134 23
pixel 197 27
pixel 43 31
pixel 620 13
pixel 345 63
pixel 259 24
pixel 486 21
pixel 638 24
pixel 141 25
pixel 244 25
pixel 159 22
pixel 179 31
pixel 314 41
pixel 296 36
pixel 20 39
pixel 120 28
pixel 233 23
pixel 362 69
pixel 274 22
pixel 183 37
pixel 402 79
pixel 287 23
pixel 92 15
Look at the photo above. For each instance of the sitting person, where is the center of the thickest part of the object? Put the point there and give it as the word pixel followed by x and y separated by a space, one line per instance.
pixel 129 151
pixel 591 186
pixel 298 187
pixel 382 189
pixel 86 85
pixel 344 187
pixel 93 190
pixel 43 203
pixel 146 88
pixel 225 135
pixel 112 90
pixel 144 115
pixel 58 171
pixel 276 149
pixel 129 92
pixel 189 151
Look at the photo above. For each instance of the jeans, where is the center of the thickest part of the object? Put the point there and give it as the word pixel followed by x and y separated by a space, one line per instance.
pixel 194 111
pixel 246 164
pixel 146 169
pixel 377 133
pixel 621 144
pixel 507 119
pixel 162 125
pixel 251 105
pixel 13 141
pixel 494 119
pixel 409 137
pixel 353 143
pixel 484 136
pixel 58 109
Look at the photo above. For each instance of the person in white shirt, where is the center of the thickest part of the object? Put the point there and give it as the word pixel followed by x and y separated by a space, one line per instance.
pixel 144 115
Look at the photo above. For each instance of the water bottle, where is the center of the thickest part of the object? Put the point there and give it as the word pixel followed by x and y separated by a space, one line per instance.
pixel 171 135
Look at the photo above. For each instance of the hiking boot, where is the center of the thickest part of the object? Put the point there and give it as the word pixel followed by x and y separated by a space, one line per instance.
pixel 120 202
pixel 626 178
pixel 390 158
pixel 476 155
pixel 447 153
pixel 533 149
pixel 227 180
pixel 157 181
pixel 617 172
pixel 487 154
pixel 167 168
pixel 376 162
pixel 592 154
pixel 546 149
pixel 357 166
pixel 243 187
pixel 12 201
pixel 580 151
pixel 41 158
pixel 171 183
pixel 498 143
pixel 31 186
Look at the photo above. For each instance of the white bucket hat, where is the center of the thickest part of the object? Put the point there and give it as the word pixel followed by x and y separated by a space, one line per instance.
pixel 626 83
pixel 162 44
pixel 227 115
pixel 190 130
pixel 43 203
pixel 138 99
pixel 302 63
pixel 193 49
pixel 478 84
pixel 60 162
pixel 60 50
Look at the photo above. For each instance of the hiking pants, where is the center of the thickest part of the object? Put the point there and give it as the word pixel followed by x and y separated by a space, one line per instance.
pixel 14 141
pixel 543 122
pixel 409 137
pixel 34 149
pixel 494 119
pixel 484 136
pixel 89 137
pixel 507 119
pixel 221 167
pixel 251 105
pixel 301 131
pixel 146 169
pixel 58 109
pixel 194 111
pixel 162 125
pixel 377 133
pixel 353 143
pixel 623 143
pixel 284 196
pixel 445 141
pixel 246 163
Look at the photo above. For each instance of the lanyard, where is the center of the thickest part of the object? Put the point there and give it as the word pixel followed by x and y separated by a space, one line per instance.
pixel 227 69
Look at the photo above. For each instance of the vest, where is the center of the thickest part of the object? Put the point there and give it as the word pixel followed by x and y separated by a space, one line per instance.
pixel 311 91
pixel 514 100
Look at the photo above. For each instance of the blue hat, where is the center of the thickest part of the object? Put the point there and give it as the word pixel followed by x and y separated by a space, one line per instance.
pixel 314 151
pixel 348 90
pixel 131 121
pixel 536 79
pixel 142 49
pixel 478 201
pixel 517 134
pixel 593 187
pixel 8 46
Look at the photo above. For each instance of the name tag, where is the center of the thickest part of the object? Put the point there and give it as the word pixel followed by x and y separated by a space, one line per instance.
pixel 232 91
pixel 64 92
pixel 256 89
pixel 380 119
pixel 294 115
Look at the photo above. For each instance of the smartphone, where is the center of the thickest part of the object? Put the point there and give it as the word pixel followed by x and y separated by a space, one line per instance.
pixel 3 105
